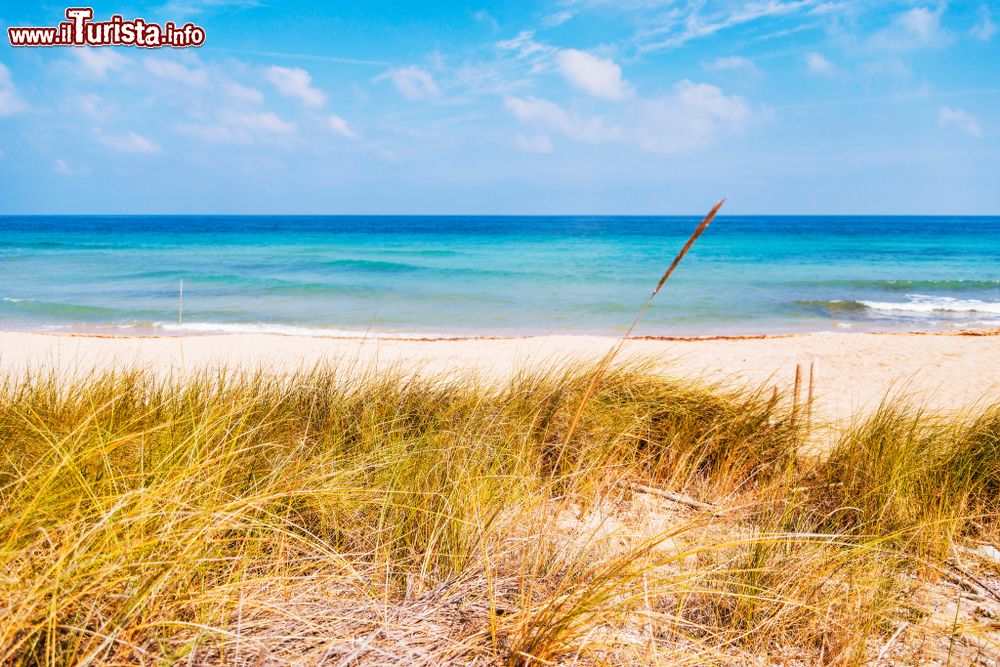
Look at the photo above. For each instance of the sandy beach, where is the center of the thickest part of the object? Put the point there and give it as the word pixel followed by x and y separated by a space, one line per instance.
pixel 853 370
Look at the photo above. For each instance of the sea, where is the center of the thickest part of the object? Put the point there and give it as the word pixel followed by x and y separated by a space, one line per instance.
pixel 457 276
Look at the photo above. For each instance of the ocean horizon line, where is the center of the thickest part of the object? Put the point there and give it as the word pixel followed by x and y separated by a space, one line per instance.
pixel 720 216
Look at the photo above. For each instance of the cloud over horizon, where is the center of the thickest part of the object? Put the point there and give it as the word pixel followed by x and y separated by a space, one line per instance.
pixel 296 82
pixel 600 77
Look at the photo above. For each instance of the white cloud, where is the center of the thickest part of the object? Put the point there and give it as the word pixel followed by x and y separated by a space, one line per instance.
pixel 526 56
pixel 596 76
pixel 915 28
pixel 240 128
pixel 413 83
pixel 732 64
pixel 960 120
pixel 818 64
pixel 524 45
pixel 174 71
pixel 226 93
pixel 100 61
pixel 245 94
pixel 550 116
pixel 536 143
pixel 985 28
pixel 920 22
pixel 130 142
pixel 689 21
pixel 693 117
pixel 483 16
pixel 264 121
pixel 296 82
pixel 61 168
pixel 890 67
pixel 10 102
pixel 341 127
pixel 827 8
pixel 557 19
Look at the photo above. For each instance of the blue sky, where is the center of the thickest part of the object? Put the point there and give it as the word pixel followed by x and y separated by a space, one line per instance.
pixel 565 106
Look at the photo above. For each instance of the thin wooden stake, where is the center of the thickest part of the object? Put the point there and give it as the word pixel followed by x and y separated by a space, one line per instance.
pixel 796 392
pixel 809 398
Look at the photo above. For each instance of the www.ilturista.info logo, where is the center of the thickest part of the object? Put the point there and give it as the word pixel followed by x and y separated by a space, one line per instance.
pixel 80 30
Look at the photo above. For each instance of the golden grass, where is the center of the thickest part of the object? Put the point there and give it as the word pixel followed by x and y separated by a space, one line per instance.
pixel 391 519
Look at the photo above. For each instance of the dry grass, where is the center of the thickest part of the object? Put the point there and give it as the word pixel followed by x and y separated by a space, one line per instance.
pixel 923 480
pixel 250 519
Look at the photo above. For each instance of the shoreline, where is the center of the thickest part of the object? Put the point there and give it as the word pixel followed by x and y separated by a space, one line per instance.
pixel 854 371
pixel 389 336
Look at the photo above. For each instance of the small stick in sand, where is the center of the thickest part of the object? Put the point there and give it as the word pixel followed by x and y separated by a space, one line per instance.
pixel 796 392
pixel 809 398
pixel 774 398
pixel 771 405
pixel 678 498
pixel 892 640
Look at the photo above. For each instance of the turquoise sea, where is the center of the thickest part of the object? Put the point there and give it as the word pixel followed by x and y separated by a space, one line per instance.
pixel 459 276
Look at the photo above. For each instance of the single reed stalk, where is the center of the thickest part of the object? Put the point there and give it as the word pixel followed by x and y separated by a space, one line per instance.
pixel 613 352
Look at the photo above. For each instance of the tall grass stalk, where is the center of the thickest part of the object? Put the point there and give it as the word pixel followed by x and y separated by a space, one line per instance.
pixel 608 358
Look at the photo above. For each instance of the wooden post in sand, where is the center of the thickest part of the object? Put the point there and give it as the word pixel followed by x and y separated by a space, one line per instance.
pixel 796 392
pixel 809 396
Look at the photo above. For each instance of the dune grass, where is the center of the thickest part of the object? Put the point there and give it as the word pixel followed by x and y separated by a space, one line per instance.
pixel 395 519
pixel 923 480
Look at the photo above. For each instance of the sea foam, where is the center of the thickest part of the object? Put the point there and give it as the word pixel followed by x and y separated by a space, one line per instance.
pixel 921 304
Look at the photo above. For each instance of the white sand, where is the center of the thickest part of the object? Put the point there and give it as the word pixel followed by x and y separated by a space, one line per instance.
pixel 945 371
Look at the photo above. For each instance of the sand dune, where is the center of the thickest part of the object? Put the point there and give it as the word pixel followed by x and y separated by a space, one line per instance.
pixel 946 371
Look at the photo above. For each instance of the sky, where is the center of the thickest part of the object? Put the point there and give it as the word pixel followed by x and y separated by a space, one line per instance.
pixel 498 107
